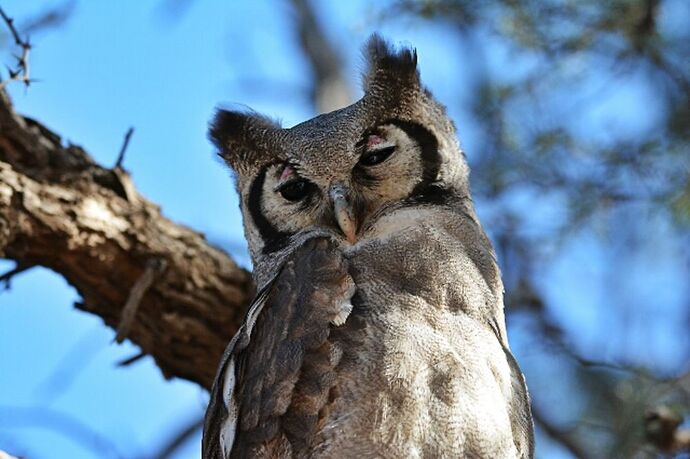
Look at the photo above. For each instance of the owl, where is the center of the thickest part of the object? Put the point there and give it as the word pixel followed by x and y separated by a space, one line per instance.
pixel 378 328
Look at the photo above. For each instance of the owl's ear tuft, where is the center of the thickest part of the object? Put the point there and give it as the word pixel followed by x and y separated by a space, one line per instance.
pixel 242 138
pixel 389 68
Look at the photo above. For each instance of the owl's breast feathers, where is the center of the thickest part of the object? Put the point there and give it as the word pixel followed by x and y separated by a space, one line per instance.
pixel 417 370
pixel 277 377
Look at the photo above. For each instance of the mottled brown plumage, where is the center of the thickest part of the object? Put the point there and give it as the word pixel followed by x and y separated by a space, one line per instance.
pixel 379 327
pixel 279 402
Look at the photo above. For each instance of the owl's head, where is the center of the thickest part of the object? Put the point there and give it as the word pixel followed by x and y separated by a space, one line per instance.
pixel 341 171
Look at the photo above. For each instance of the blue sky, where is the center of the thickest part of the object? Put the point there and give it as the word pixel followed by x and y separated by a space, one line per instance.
pixel 117 64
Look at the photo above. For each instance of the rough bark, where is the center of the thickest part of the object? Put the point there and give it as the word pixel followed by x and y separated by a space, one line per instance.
pixel 61 210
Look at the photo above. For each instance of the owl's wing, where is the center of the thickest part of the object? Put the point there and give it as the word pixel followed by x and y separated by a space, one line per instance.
pixel 519 407
pixel 221 413
pixel 284 338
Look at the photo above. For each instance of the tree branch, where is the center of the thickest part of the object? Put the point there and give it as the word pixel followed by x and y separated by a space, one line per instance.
pixel 61 423
pixel 179 438
pixel 330 89
pixel 61 210
pixel 21 71
pixel 154 268
pixel 561 437
pixel 663 429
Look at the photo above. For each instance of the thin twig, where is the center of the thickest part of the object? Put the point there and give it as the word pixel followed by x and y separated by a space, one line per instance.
pixel 21 71
pixel 563 438
pixel 180 438
pixel 19 417
pixel 7 277
pixel 70 366
pixel 130 360
pixel 49 18
pixel 153 269
pixel 10 24
pixel 123 149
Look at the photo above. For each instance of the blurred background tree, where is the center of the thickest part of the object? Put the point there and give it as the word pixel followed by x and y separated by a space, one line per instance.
pixel 575 116
pixel 583 116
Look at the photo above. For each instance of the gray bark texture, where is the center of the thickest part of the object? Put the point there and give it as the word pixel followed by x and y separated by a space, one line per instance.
pixel 59 209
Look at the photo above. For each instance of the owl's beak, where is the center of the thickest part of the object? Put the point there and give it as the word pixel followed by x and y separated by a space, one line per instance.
pixel 343 212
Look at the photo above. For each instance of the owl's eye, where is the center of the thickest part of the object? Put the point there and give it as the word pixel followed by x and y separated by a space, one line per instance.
pixel 371 158
pixel 296 190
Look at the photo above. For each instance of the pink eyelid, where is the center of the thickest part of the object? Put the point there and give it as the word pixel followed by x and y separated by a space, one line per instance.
pixel 374 140
pixel 287 173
